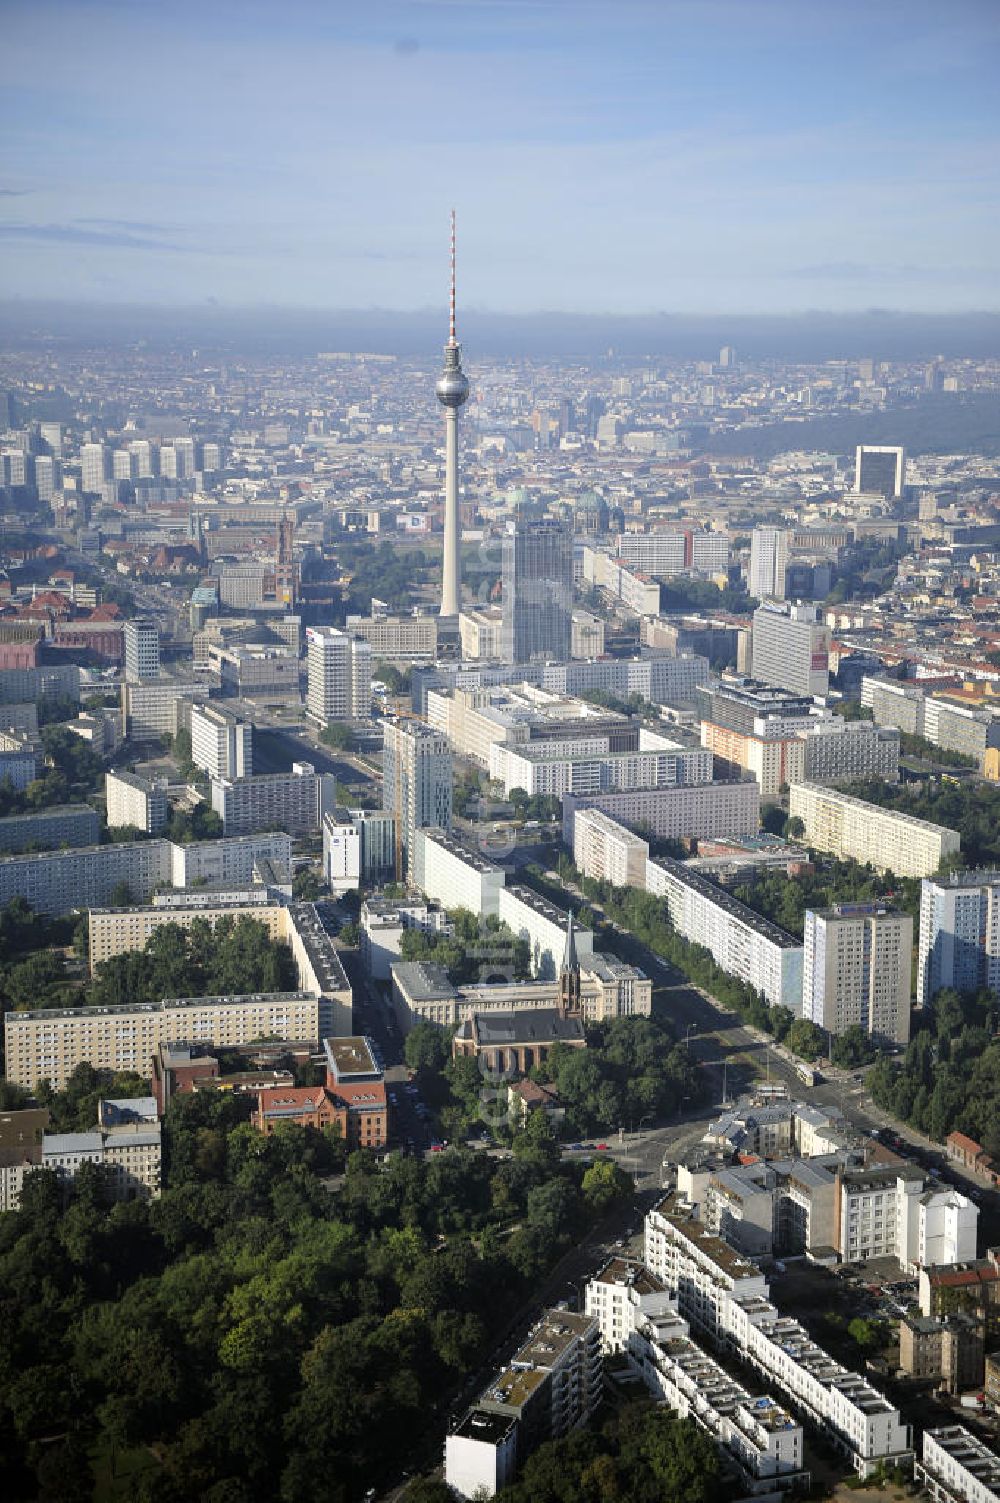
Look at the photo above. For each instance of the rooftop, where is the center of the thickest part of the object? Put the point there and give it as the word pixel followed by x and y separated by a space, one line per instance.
pixel 464 853
pixel 724 900
pixel 484 1425
pixel 545 1025
pixel 167 1004
pixel 352 1056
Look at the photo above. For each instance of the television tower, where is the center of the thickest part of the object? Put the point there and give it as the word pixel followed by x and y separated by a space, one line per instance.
pixel 452 392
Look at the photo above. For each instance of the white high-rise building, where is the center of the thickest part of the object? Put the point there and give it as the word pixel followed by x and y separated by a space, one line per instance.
pixel 221 742
pixel 416 782
pixel 881 469
pixel 142 650
pixel 959 943
pixel 769 551
pixel 856 970
pixel 339 670
pixel 791 648
pixel 94 467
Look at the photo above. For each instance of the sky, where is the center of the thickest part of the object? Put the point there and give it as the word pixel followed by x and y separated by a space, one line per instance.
pixel 627 156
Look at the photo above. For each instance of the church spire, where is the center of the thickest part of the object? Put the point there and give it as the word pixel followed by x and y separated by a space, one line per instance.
pixel 569 974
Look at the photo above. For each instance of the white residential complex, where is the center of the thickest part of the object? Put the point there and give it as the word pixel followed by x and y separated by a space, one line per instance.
pixel 339 670
pixel 416 782
pixel 888 840
pixel 725 1299
pixel 87 876
pixel 956 1467
pixel 49 1044
pixel 856 970
pixel 607 851
pixel 665 554
pixel 221 742
pixel 557 768
pixel 142 649
pixel 455 876
pixel 740 940
pixel 543 925
pixel 638 1317
pixel 959 944
pixel 698 811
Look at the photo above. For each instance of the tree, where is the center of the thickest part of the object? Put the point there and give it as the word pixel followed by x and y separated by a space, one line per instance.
pixel 604 1183
pixel 338 736
pixel 427 1048
pixel 805 1039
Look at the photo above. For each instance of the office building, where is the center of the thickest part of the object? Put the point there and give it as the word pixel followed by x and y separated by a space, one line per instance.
pixel 880 470
pixel 527 717
pixel 49 1044
pixel 857 959
pixel 359 848
pixel 955 1466
pixel 697 811
pixel 157 707
pixel 221 742
pixel 94 468
pixel 339 675
pixel 416 783
pixel 740 940
pixel 537 591
pixel 295 801
pixel 849 827
pixel 135 802
pixel 451 874
pixel 725 1299
pixel 791 648
pixel 581 767
pixel 398 639
pixel 48 829
pixel 662 555
pixel 770 548
pixel 607 851
pixel 552 1385
pixel 142 650
pixel 587 636
pixel 481 633
pixel 959 945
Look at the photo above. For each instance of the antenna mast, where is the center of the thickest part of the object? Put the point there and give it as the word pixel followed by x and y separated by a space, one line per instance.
pixel 451 305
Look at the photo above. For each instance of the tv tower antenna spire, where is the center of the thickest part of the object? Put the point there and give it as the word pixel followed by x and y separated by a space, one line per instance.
pixel 452 392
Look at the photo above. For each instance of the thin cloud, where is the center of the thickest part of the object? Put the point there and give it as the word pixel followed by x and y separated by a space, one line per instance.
pixel 79 234
pixel 14 192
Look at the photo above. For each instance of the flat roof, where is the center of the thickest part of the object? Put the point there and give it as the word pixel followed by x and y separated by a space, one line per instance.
pixel 724 900
pixel 485 1425
pixel 422 981
pixel 166 1004
pixel 464 853
pixel 352 1056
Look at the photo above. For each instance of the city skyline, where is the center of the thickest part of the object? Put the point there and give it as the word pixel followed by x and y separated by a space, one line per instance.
pixel 703 158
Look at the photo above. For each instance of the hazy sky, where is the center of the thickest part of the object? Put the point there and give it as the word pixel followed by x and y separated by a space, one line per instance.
pixel 689 155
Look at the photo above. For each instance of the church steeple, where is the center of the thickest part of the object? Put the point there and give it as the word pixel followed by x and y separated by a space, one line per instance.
pixel 569 974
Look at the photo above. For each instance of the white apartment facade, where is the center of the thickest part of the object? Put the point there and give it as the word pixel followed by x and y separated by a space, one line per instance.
pixel 959 944
pixel 856 970
pixel 740 940
pixel 295 801
pixel 956 1467
pixel 221 742
pixel 791 649
pixel 699 811
pixel 339 670
pixel 726 1298
pixel 451 874
pixel 890 841
pixel 135 802
pixel 49 1044
pixel 607 851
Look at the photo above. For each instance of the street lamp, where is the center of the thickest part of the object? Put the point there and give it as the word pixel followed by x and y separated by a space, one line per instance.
pixel 691 1027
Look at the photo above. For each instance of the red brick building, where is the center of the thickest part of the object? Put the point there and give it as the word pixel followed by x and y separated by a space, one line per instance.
pixel 359 1111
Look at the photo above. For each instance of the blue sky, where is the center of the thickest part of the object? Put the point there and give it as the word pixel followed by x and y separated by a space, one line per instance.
pixel 623 156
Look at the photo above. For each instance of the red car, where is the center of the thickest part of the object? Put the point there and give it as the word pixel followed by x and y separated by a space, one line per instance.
pixel 603 1148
